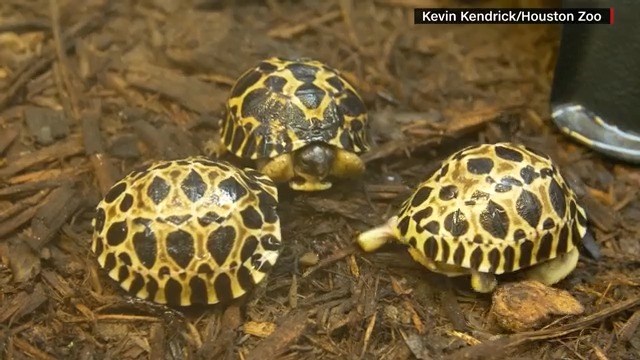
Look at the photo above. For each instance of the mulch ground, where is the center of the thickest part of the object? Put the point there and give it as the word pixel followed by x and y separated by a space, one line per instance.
pixel 90 90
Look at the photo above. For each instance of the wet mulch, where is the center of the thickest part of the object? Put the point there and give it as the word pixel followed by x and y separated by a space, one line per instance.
pixel 90 90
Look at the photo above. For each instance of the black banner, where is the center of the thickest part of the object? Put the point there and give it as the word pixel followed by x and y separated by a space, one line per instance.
pixel 513 16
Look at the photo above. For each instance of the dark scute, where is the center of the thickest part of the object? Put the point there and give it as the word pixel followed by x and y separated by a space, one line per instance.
pixel 251 218
pixel 270 242
pixel 443 170
pixel 98 246
pixel 180 247
pixel 123 273
pixel 220 243
pixel 575 234
pixel 248 248
pixel 445 251
pixel 266 67
pixel 244 278
pixel 413 242
pixel 250 146
pixel 476 258
pixel 458 254
pixel 336 83
pixel 117 233
pixel 573 209
pixel 403 225
pixel 158 190
pixel 198 291
pixel 508 153
pixel 100 218
pixel 177 219
pixel 152 288
pixel 477 239
pixel 125 258
pixel 582 220
pixel 519 235
pixel 231 188
pixel 546 172
pixel 509 258
pixel 345 141
pixel 502 188
pixel 431 248
pixel 222 286
pixel 303 72
pixel 494 220
pixel 494 260
pixel 110 262
pixel 528 174
pixel 351 104
pixel 433 227
pixel 275 83
pixel 126 203
pixel 173 292
pixel 469 202
pixel 259 263
pixel 193 186
pixel 448 192
pixel 529 208
pixel 310 95
pixel 137 284
pixel 480 166
pixel 422 214
pixel 145 247
pixel 479 195
pixel 526 249
pixel 268 207
pixel 456 224
pixel 563 240
pixel 164 271
pixel 558 201
pixel 254 105
pixel 544 249
pixel 205 269
pixel 548 224
pixel 356 125
pixel 245 82
pixel 115 192
pixel 510 180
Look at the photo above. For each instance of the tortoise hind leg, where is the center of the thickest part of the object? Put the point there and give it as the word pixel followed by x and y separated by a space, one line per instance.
pixel 483 282
pixel 554 270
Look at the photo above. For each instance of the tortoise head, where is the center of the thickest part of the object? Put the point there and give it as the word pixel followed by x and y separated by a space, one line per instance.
pixel 310 167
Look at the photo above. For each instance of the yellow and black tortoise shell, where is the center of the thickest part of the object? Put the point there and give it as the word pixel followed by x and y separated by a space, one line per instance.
pixel 495 208
pixel 282 105
pixel 191 231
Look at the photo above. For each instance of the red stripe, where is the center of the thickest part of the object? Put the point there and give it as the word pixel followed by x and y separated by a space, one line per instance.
pixel 611 16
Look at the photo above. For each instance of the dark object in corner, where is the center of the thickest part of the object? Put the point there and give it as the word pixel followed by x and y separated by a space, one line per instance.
pixel 596 89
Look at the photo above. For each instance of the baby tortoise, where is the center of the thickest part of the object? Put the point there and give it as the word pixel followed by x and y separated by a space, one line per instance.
pixel 300 120
pixel 490 209
pixel 190 231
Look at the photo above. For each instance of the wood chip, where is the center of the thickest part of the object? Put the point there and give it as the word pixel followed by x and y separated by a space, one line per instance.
pixel 289 330
pixel 60 150
pixel 23 304
pixel 59 206
pixel 46 125
pixel 190 92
